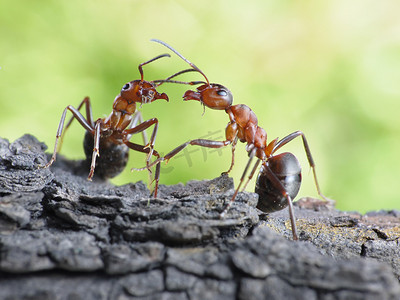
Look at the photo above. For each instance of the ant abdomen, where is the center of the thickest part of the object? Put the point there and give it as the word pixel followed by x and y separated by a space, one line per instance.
pixel 112 160
pixel 287 169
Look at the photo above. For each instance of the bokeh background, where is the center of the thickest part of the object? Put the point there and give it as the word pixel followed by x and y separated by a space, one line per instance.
pixel 328 68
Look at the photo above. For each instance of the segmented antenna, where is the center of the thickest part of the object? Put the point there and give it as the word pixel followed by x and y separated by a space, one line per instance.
pixel 182 57
pixel 149 61
pixel 168 79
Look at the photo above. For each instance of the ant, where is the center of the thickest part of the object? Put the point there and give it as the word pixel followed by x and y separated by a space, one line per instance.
pixel 111 135
pixel 279 178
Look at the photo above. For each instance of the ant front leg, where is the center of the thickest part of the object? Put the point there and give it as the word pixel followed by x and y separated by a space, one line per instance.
pixel 231 138
pixel 148 148
pixel 143 149
pixel 140 128
pixel 138 118
pixel 168 156
pixel 197 142
pixel 87 124
pixel 233 156
pixel 310 159
pixel 231 133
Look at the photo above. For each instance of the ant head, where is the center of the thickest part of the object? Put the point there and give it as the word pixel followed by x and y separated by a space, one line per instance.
pixel 141 91
pixel 214 96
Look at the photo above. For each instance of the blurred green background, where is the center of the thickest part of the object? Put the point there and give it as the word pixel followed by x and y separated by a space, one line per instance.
pixel 328 68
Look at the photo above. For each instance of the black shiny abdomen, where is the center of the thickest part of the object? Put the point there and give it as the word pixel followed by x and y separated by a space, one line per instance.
pixel 112 160
pixel 287 169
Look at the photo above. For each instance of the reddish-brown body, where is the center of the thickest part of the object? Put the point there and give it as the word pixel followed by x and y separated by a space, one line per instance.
pixel 244 125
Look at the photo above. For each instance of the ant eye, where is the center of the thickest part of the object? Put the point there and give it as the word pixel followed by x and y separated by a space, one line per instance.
pixel 126 86
pixel 222 93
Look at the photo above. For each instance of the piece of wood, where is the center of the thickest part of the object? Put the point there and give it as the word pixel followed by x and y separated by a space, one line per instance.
pixel 65 237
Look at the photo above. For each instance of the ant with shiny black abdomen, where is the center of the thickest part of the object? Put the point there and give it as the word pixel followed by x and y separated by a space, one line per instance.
pixel 279 178
pixel 111 135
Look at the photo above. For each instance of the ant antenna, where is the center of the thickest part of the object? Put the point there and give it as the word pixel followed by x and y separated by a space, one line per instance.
pixel 181 56
pixel 149 61
pixel 168 79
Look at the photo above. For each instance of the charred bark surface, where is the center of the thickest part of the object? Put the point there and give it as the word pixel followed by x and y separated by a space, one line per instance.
pixel 63 237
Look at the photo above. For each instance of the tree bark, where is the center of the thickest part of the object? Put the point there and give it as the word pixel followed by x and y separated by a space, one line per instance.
pixel 63 237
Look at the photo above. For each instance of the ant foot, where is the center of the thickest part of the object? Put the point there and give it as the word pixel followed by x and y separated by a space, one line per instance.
pixel 225 173
pixel 90 176
pixel 153 195
pixel 46 165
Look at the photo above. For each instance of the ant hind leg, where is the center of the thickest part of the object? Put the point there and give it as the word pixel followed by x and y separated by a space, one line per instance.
pixel 87 124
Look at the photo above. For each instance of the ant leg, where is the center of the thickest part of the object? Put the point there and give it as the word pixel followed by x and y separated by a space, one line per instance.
pixel 310 159
pixel 233 155
pixel 148 148
pixel 149 61
pixel 275 181
pixel 88 110
pixel 89 117
pixel 156 179
pixel 143 149
pixel 81 119
pixel 140 128
pixel 96 148
pixel 139 118
pixel 252 173
pixel 231 134
pixel 197 142
pixel 251 156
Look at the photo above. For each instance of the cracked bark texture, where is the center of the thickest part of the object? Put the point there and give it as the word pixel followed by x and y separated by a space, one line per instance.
pixel 63 237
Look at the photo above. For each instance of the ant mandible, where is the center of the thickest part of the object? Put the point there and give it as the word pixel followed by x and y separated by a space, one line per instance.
pixel 111 135
pixel 279 178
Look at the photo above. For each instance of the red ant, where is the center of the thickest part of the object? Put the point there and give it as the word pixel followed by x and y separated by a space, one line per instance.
pixel 111 135
pixel 280 175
